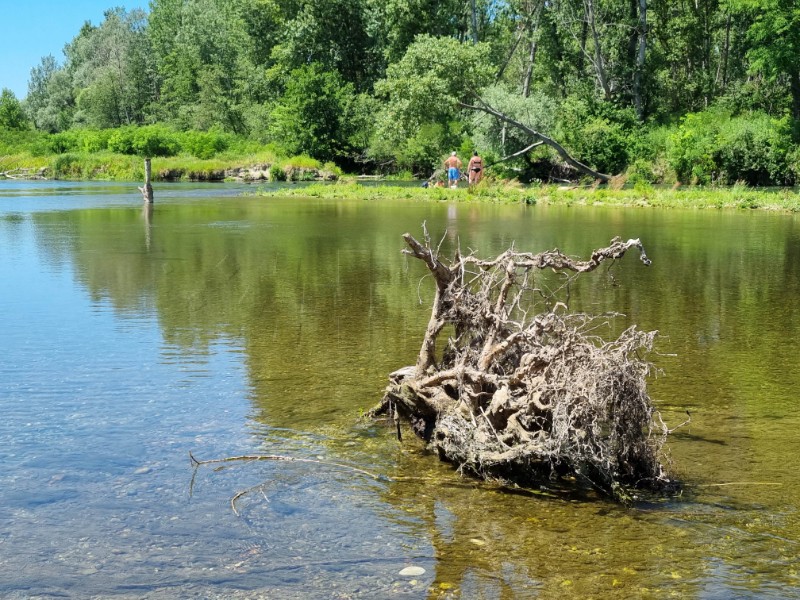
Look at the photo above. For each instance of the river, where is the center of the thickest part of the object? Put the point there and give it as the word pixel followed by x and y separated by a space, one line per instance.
pixel 226 324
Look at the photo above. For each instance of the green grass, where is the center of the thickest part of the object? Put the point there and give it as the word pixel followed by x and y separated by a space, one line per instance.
pixel 736 197
pixel 111 166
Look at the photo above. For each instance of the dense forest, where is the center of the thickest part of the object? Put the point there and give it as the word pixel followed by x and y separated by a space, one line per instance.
pixel 696 91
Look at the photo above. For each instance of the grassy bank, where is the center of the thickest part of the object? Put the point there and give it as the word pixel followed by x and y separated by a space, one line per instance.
pixel 110 166
pixel 736 197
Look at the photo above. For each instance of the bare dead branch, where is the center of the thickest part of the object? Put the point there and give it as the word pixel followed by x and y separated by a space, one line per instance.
pixel 552 396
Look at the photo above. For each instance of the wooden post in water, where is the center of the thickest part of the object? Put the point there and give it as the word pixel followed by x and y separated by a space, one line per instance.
pixel 147 188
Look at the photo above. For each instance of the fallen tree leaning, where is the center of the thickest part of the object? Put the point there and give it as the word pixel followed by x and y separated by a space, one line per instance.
pixel 523 391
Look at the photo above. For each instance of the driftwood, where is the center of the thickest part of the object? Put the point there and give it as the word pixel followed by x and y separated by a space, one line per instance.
pixel 538 137
pixel 524 391
pixel 23 173
pixel 147 188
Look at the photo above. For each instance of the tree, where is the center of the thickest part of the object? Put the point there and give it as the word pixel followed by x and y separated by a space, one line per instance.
pixel 202 52
pixel 50 102
pixel 404 20
pixel 335 35
pixel 12 116
pixel 109 67
pixel 437 78
pixel 774 38
pixel 312 115
pixel 428 83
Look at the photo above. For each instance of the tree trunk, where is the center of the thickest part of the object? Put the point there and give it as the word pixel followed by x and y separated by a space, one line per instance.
pixel 640 57
pixel 474 10
pixel 147 188
pixel 504 66
pixel 562 152
pixel 723 65
pixel 598 60
pixel 795 89
pixel 526 84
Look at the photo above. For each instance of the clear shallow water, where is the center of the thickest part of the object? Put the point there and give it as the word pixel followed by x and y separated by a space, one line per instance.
pixel 223 325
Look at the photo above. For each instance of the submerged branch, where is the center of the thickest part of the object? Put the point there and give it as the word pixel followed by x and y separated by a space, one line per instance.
pixel 273 457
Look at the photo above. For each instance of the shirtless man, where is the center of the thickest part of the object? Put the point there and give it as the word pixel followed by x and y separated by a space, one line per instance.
pixel 453 164
pixel 475 169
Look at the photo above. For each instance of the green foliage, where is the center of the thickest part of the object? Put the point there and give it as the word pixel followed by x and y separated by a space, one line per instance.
pixel 14 141
pixel 537 111
pixel 204 144
pixel 121 140
pixel 11 114
pixel 603 144
pixel 692 146
pixel 80 140
pixel 755 149
pixel 713 146
pixel 50 102
pixel 600 134
pixel 155 140
pixel 380 85
pixel 428 83
pixel 108 66
pixel 148 141
pixel 311 116
pixel 774 37
pixel 422 151
pixel 335 35
pixel 276 173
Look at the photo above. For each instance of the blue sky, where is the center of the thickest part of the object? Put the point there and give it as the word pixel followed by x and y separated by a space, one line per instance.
pixel 31 29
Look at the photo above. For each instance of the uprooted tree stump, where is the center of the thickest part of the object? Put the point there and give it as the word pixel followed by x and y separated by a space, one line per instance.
pixel 524 391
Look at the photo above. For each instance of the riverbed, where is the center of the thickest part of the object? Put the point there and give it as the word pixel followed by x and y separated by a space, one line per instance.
pixel 223 324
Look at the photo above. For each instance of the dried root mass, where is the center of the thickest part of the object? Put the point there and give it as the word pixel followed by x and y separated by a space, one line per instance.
pixel 523 390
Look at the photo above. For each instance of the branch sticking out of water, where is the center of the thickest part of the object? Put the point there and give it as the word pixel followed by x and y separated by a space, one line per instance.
pixel 274 457
pixel 523 390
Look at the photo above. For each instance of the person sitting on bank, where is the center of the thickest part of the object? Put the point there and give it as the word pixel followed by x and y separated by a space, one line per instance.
pixel 453 164
pixel 475 169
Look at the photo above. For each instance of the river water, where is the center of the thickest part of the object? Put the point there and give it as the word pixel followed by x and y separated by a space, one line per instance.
pixel 225 325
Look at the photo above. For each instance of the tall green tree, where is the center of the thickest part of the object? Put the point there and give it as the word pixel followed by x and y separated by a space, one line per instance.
pixel 313 116
pixel 203 58
pixel 50 102
pixel 12 116
pixel 334 34
pixel 774 44
pixel 109 65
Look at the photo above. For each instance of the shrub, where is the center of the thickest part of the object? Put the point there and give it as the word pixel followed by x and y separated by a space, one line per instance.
pixel 641 171
pixel 63 142
pixel 690 150
pixel 598 134
pixel 121 140
pixel 94 140
pixel 66 166
pixel 276 172
pixel 204 144
pixel 604 145
pixel 155 140
pixel 422 151
pixel 755 149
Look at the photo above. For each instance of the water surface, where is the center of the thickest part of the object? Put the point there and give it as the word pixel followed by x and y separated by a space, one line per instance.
pixel 224 325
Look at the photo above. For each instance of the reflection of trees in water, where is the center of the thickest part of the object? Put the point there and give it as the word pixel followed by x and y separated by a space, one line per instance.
pixel 324 306
pixel 491 542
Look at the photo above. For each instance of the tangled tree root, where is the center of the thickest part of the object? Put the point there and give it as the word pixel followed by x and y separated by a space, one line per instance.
pixel 525 396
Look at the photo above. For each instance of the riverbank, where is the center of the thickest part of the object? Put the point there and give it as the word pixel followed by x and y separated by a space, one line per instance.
pixel 735 197
pixel 111 166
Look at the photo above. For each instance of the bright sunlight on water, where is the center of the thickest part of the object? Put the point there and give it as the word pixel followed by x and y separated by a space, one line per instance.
pixel 225 325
